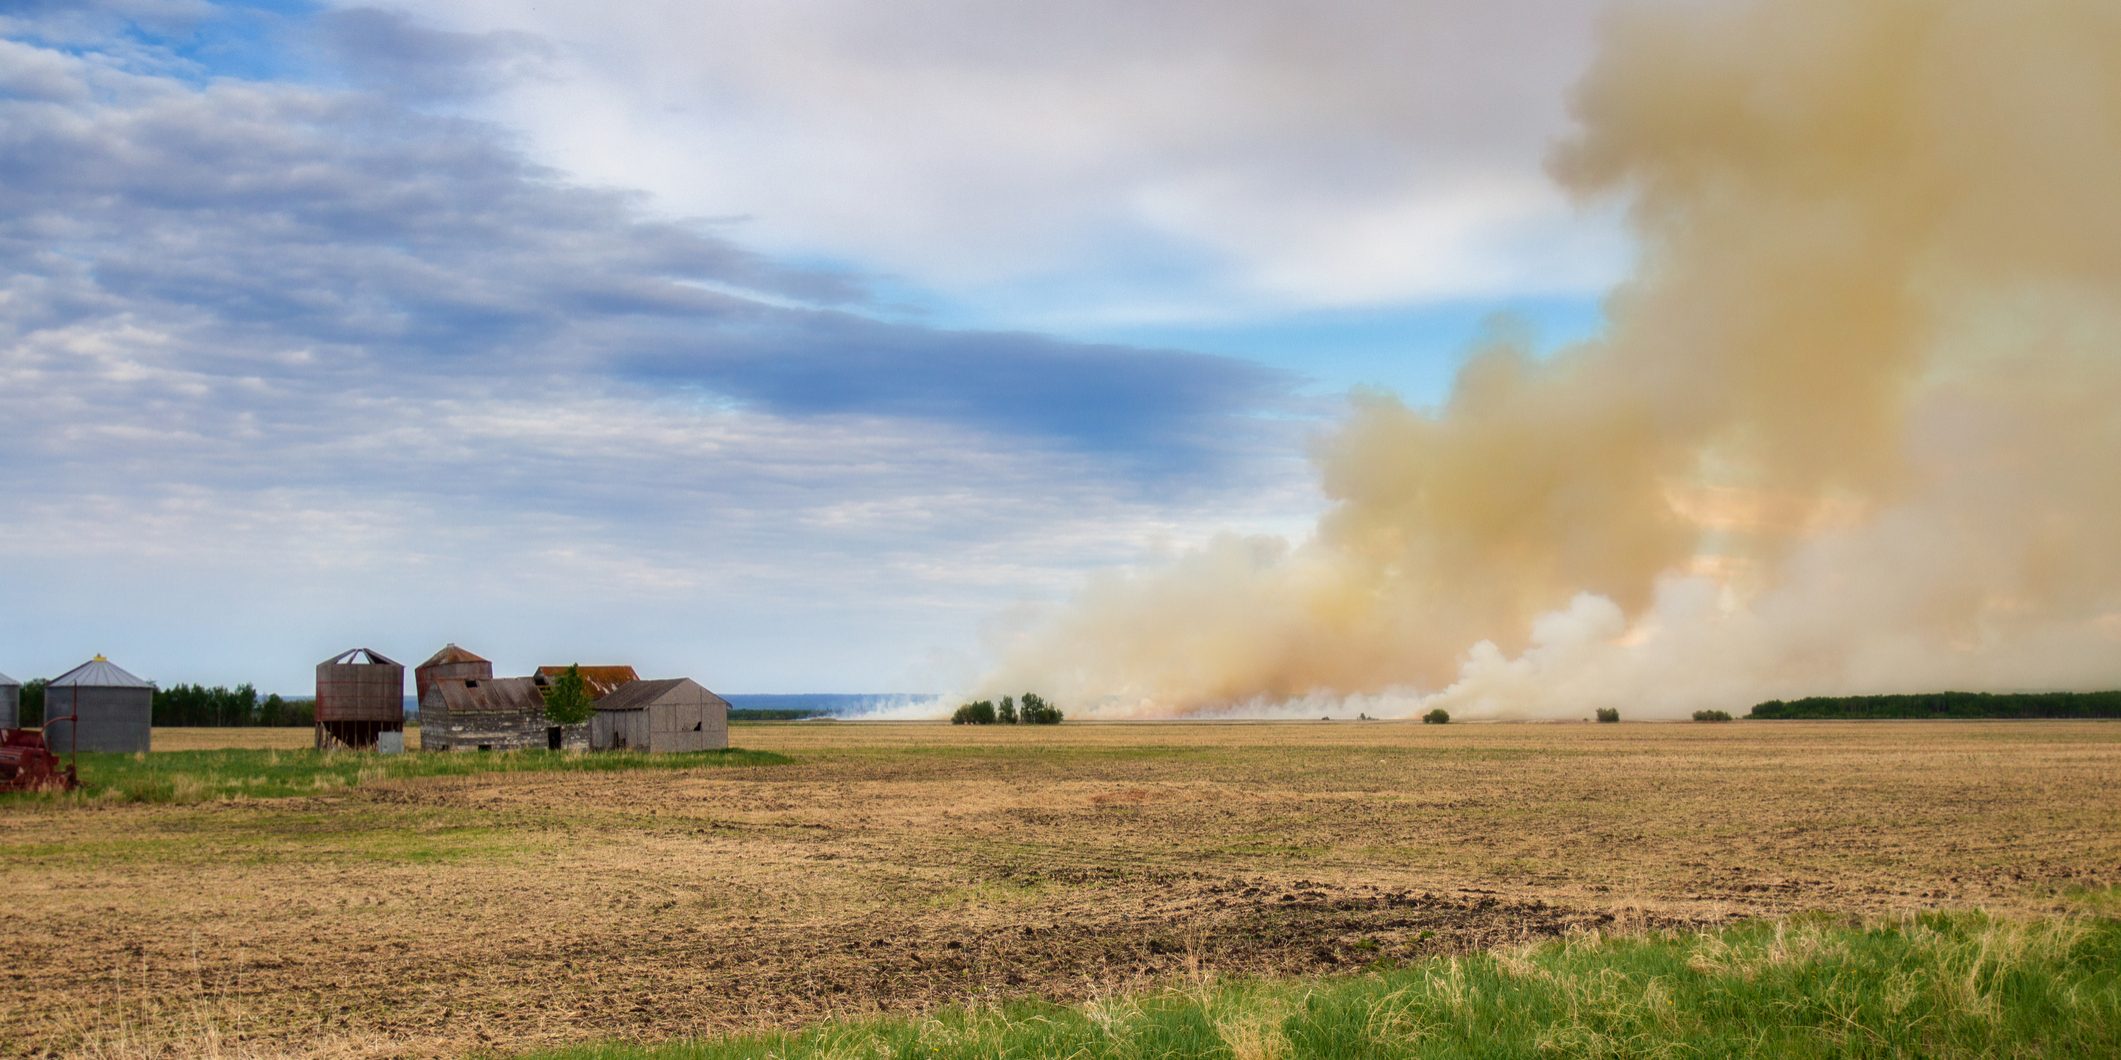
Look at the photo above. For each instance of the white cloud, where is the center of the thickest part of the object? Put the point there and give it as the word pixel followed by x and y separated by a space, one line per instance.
pixel 1193 154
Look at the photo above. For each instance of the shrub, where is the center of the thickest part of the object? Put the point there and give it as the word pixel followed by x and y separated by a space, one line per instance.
pixel 1439 716
pixel 977 712
pixel 1609 714
pixel 1712 715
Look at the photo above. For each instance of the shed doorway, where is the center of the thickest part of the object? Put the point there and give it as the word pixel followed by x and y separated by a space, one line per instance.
pixel 552 738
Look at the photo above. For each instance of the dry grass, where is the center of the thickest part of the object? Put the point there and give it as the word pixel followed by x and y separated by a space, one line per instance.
pixel 899 866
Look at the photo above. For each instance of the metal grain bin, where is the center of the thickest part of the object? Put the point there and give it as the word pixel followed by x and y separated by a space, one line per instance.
pixel 360 696
pixel 451 663
pixel 115 709
pixel 10 702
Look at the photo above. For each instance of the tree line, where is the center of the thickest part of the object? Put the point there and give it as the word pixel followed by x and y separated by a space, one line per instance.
pixel 192 705
pixel 1034 710
pixel 1948 705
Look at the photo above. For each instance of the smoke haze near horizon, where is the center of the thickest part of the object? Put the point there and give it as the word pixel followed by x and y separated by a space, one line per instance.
pixel 1850 428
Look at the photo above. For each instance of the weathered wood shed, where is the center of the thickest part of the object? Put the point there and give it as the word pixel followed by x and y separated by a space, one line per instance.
pixel 660 716
pixel 492 714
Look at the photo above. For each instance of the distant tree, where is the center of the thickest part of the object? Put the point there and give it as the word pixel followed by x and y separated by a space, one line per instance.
pixel 1945 705
pixel 1036 711
pixel 1712 715
pixel 1609 714
pixel 33 704
pixel 198 705
pixel 977 712
pixel 567 699
pixel 1439 716
pixel 1006 714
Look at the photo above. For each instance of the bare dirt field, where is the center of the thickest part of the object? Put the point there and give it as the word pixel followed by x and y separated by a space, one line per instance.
pixel 898 866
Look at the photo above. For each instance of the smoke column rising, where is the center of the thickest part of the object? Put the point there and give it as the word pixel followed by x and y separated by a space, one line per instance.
pixel 1853 425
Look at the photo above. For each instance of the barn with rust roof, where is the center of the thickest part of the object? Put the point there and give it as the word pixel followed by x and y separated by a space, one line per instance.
pixel 660 716
pixel 492 714
pixel 601 681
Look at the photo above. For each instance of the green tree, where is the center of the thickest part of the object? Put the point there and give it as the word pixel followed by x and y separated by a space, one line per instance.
pixel 1007 713
pixel 33 704
pixel 567 699
pixel 977 712
pixel 1036 711
pixel 1439 716
pixel 1609 714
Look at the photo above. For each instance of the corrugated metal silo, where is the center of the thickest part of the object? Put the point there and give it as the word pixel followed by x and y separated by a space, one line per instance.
pixel 115 709
pixel 451 663
pixel 10 702
pixel 360 696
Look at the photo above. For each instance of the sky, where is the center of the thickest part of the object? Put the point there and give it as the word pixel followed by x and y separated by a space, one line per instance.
pixel 808 346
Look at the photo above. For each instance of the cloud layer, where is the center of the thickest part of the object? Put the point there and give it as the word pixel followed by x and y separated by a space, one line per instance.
pixel 317 349
pixel 1114 159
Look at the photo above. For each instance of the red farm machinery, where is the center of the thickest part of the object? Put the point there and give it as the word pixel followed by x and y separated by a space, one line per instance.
pixel 26 764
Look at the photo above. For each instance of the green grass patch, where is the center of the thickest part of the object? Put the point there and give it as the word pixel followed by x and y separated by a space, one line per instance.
pixel 203 776
pixel 1939 985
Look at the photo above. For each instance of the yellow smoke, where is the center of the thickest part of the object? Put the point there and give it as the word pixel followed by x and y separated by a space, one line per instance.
pixel 1854 423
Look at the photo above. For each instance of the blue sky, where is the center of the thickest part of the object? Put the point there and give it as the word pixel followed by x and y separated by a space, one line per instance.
pixel 793 347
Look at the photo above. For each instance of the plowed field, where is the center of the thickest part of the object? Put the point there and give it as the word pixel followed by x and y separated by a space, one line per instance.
pixel 898 866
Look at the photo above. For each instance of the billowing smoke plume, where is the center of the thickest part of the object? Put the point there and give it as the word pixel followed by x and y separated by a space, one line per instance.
pixel 1854 424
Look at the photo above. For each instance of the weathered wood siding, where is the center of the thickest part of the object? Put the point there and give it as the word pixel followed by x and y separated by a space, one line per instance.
pixel 685 717
pixel 515 729
pixel 619 730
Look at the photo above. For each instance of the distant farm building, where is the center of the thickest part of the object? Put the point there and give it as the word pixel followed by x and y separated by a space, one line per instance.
pixel 10 702
pixel 660 716
pixel 492 714
pixel 115 709
pixel 601 680
pixel 452 663
pixel 360 699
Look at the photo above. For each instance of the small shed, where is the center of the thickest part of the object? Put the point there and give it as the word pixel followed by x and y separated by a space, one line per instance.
pixel 116 709
pixel 660 716
pixel 492 714
pixel 10 702
pixel 360 696
pixel 600 680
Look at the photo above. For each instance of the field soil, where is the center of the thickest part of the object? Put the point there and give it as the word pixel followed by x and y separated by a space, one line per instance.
pixel 900 866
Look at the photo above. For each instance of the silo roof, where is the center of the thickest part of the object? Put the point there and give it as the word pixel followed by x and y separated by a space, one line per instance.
pixel 451 654
pixel 6 681
pixel 360 657
pixel 98 672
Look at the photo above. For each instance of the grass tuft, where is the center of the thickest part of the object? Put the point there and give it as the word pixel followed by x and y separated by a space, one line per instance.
pixel 1935 985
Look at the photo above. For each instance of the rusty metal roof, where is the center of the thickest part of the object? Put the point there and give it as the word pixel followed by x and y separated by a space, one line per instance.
pixel 361 657
pixel 450 653
pixel 602 680
pixel 98 672
pixel 642 693
pixel 489 695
